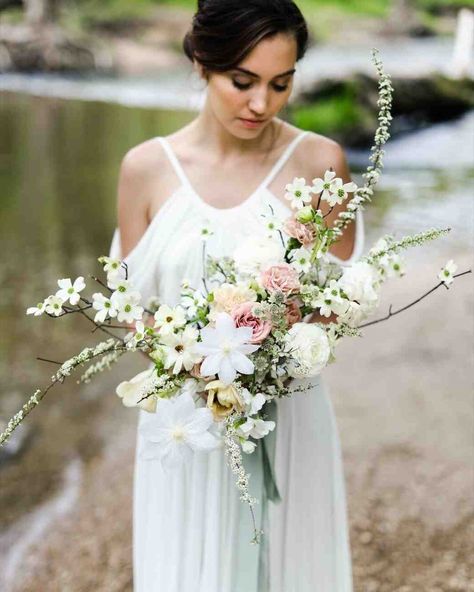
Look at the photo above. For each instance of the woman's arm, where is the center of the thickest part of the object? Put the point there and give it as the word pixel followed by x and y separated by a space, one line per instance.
pixel 133 199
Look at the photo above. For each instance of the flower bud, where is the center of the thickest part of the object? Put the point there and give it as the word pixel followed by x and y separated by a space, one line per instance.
pixel 305 215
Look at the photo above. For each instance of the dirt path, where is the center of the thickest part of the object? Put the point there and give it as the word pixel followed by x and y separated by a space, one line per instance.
pixel 405 415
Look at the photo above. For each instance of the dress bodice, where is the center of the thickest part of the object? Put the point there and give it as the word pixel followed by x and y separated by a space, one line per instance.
pixel 172 247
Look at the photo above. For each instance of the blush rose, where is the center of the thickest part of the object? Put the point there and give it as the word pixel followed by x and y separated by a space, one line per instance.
pixel 281 278
pixel 244 317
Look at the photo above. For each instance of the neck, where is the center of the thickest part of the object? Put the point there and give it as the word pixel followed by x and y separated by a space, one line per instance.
pixel 212 135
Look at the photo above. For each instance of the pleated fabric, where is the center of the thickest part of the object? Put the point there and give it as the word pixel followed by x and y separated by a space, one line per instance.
pixel 188 523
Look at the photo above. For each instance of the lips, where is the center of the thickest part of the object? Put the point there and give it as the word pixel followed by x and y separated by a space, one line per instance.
pixel 252 120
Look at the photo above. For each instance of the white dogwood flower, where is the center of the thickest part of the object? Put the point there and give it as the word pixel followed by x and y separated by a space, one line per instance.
pixel 128 307
pixel 176 431
pixel 225 349
pixel 37 310
pixel 298 193
pixel 301 259
pixel 54 305
pixel 70 291
pixel 323 186
pixel 104 306
pixel 446 274
pixel 339 191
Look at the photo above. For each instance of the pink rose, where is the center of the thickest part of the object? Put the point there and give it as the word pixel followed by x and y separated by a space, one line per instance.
pixel 281 278
pixel 304 233
pixel 293 313
pixel 243 317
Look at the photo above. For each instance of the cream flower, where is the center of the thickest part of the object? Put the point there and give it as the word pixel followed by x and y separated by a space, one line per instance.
pixel 223 399
pixel 228 296
pixel 70 291
pixel 132 391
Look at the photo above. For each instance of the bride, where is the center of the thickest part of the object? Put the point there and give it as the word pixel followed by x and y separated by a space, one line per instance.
pixel 222 172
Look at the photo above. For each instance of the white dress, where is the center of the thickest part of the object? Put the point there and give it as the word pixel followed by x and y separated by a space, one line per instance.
pixel 191 531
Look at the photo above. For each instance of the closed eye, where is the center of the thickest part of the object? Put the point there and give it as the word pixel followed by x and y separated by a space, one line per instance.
pixel 246 86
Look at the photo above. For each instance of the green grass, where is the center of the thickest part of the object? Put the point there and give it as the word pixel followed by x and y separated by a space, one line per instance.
pixel 329 116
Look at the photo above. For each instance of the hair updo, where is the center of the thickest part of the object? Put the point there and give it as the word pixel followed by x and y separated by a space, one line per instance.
pixel 224 32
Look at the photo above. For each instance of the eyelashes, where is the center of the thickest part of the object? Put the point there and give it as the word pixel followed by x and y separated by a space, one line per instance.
pixel 241 86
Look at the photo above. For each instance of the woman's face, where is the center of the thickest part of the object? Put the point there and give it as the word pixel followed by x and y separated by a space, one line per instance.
pixel 245 100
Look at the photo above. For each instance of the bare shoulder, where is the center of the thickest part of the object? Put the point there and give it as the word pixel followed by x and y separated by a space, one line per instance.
pixel 140 190
pixel 317 153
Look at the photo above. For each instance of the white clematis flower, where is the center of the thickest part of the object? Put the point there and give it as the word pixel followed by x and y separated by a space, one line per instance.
pixel 446 274
pixel 298 193
pixel 70 291
pixel 104 306
pixel 248 446
pixel 168 319
pixel 225 349
pixel 301 259
pixel 180 349
pixel 176 431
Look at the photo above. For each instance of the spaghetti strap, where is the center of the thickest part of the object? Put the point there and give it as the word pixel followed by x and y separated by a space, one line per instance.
pixel 283 159
pixel 174 161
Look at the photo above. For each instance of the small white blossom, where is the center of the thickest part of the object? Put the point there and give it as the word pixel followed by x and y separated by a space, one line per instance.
pixel 273 225
pixel 339 191
pixel 54 305
pixel 128 308
pixel 256 428
pixel 168 319
pixel 323 186
pixel 301 259
pixel 248 446
pixel 298 193
pixel 37 310
pixel 104 306
pixel 139 335
pixel 112 267
pixel 446 274
pixel 70 291
pixel 253 403
pixel 180 349
pixel 120 285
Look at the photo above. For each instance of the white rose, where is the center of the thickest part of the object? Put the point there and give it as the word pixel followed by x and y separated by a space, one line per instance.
pixel 310 350
pixel 358 281
pixel 257 254
pixel 131 391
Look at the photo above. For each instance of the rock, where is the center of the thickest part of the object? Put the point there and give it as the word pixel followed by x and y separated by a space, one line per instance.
pixel 347 109
pixel 47 49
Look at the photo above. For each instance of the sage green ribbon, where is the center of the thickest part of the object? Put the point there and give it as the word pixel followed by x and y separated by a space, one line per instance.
pixel 252 567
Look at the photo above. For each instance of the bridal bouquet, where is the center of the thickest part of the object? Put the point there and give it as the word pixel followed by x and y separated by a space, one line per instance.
pixel 230 347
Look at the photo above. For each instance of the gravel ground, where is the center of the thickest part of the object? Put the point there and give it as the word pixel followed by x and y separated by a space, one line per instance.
pixel 405 414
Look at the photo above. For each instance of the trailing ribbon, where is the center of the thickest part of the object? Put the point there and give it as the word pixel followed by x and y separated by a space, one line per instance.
pixel 252 569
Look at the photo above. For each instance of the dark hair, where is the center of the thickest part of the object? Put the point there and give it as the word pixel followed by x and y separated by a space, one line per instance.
pixel 224 32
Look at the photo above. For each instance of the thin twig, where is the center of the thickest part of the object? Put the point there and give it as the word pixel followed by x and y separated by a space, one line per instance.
pixel 50 361
pixel 390 310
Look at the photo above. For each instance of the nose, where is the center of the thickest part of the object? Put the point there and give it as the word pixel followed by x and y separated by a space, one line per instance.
pixel 258 101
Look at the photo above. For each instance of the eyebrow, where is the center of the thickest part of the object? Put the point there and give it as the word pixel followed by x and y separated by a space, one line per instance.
pixel 249 73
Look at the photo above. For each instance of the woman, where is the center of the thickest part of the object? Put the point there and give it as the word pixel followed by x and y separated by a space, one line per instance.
pixel 222 172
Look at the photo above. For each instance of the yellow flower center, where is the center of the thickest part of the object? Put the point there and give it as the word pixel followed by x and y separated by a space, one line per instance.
pixel 178 434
